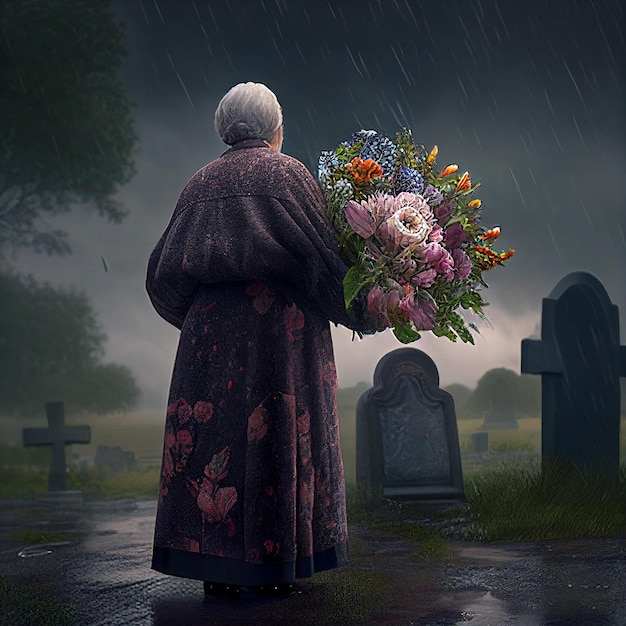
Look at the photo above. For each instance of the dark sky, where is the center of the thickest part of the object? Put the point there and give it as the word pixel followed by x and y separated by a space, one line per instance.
pixel 527 96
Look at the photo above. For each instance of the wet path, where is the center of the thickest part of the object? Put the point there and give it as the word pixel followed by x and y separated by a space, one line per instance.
pixel 102 567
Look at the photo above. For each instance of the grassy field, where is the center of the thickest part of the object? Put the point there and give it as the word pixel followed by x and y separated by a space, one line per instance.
pixel 142 433
pixel 509 496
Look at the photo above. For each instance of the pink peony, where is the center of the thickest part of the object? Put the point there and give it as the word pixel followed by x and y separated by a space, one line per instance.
pixel 393 301
pixel 431 253
pixel 381 304
pixel 436 234
pixel 377 308
pixel 380 205
pixel 455 236
pixel 445 265
pixel 425 278
pixel 407 226
pixel 443 213
pixel 462 263
pixel 421 312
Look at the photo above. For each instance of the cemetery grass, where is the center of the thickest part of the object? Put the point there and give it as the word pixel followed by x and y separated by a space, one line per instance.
pixel 525 503
pixel 30 603
pixel 508 497
pixel 95 483
pixel 370 508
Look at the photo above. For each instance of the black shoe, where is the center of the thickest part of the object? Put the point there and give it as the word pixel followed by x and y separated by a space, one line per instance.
pixel 281 589
pixel 222 590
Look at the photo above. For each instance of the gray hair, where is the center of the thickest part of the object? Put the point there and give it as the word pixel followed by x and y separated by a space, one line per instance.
pixel 248 111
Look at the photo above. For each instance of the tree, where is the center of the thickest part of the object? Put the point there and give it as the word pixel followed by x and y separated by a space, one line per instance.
pixel 502 395
pixel 66 136
pixel 51 348
pixel 461 395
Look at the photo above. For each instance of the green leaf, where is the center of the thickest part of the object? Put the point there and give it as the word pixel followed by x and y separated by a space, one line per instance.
pixel 354 280
pixel 443 330
pixel 405 333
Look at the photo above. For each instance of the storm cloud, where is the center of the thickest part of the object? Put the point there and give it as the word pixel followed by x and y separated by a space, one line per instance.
pixel 529 97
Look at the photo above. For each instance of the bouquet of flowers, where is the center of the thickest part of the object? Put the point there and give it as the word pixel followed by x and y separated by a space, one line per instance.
pixel 411 236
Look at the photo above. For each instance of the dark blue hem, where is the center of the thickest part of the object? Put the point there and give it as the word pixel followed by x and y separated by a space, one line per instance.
pixel 234 571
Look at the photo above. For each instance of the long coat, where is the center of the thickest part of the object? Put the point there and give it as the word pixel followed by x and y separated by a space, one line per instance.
pixel 252 482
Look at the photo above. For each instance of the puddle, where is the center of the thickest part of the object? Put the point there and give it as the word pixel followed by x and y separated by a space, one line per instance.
pixel 489 611
pixel 41 549
pixel 487 553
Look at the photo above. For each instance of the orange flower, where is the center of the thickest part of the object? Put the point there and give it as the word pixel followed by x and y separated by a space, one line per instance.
pixel 364 171
pixel 492 234
pixel 432 156
pixel 489 258
pixel 483 249
pixel 465 183
pixel 474 204
pixel 449 170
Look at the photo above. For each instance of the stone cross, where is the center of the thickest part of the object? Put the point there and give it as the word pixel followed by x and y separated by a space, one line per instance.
pixel 580 361
pixel 57 435
pixel 406 439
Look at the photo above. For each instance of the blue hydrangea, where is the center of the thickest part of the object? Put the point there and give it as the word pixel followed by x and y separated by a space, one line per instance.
pixel 408 179
pixel 362 134
pixel 326 162
pixel 377 147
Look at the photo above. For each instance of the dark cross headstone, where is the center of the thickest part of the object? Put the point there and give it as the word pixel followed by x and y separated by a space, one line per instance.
pixel 57 435
pixel 580 361
pixel 407 439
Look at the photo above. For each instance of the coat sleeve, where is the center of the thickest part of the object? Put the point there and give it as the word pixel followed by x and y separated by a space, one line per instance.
pixel 282 238
pixel 170 288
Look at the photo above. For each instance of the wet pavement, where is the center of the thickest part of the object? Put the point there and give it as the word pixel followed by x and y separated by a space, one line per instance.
pixel 99 562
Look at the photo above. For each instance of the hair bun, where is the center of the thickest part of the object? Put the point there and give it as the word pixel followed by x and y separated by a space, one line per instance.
pixel 239 131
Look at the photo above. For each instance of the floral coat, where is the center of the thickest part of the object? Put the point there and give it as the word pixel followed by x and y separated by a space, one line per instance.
pixel 252 483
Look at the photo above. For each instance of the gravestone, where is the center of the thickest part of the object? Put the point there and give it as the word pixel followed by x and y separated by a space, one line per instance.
pixel 57 435
pixel 580 361
pixel 407 440
pixel 114 458
pixel 480 442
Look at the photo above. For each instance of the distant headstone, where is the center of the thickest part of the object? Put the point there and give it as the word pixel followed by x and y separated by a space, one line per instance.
pixel 114 458
pixel 57 435
pixel 580 361
pixel 407 439
pixel 480 442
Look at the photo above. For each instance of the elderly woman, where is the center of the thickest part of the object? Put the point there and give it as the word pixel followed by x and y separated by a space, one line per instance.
pixel 252 483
